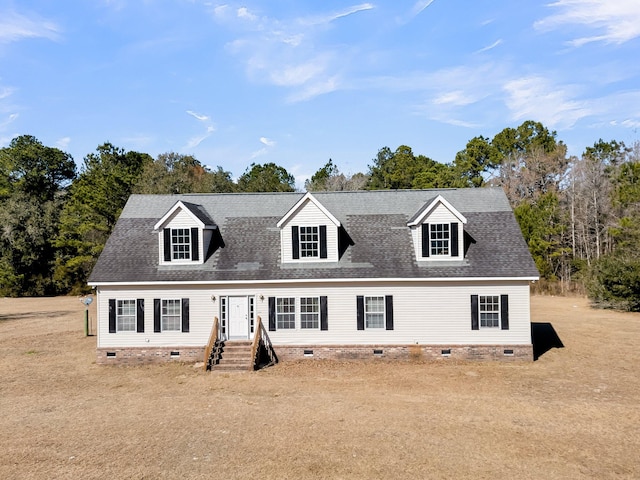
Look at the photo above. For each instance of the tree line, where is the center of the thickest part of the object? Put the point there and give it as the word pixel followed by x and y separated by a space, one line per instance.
pixel 579 215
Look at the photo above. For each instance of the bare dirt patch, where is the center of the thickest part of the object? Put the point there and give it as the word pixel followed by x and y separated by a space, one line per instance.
pixel 574 413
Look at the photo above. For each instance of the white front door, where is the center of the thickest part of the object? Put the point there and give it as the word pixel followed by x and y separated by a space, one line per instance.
pixel 238 318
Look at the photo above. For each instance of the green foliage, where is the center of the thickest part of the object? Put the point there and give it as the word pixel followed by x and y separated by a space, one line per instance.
pixel 27 166
pixel 174 173
pixel 403 170
pixel 479 157
pixel 96 200
pixel 266 178
pixel 615 282
pixel 542 227
pixel 26 248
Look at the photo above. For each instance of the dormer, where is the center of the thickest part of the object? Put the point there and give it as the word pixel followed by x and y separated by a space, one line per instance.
pixel 308 233
pixel 437 230
pixel 184 234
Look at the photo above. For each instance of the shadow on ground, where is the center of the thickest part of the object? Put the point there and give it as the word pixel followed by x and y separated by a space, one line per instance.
pixel 24 315
pixel 544 338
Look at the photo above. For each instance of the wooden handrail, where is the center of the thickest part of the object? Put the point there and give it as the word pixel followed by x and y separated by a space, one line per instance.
pixel 213 339
pixel 256 343
pixel 261 337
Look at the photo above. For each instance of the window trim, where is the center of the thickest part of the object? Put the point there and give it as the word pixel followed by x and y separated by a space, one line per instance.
pixel 120 315
pixel 279 314
pixel 163 314
pixel 317 313
pixel 183 234
pixel 503 312
pixel 382 326
pixel 309 241
pixel 192 248
pixel 495 312
pixel 446 242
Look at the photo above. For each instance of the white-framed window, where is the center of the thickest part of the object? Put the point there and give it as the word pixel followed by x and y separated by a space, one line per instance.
pixel 126 316
pixel 309 242
pixel 439 237
pixel 489 309
pixel 181 243
pixel 171 318
pixel 310 312
pixel 374 313
pixel 285 313
pixel 223 315
pixel 252 314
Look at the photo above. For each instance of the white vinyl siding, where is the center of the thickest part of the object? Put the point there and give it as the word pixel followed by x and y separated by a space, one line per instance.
pixel 309 215
pixel 424 312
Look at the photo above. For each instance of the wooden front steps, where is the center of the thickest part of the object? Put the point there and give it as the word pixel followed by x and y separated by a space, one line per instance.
pixel 235 355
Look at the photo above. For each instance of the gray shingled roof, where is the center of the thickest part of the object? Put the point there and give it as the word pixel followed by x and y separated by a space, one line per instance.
pixel 376 221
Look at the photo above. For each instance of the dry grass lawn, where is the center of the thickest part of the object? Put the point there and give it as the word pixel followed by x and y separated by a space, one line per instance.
pixel 572 414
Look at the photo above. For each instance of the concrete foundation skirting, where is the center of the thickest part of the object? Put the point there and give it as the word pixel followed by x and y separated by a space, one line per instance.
pixel 142 355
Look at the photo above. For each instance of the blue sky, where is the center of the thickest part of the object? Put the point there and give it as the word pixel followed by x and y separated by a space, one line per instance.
pixel 299 82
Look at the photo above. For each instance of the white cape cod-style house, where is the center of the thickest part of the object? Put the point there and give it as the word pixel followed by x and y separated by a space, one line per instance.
pixel 396 274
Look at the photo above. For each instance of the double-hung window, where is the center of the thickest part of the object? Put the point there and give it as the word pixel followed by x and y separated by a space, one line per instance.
pixel 181 243
pixel 374 314
pixel 126 316
pixel 171 318
pixel 285 313
pixel 439 238
pixel 310 312
pixel 309 242
pixel 489 306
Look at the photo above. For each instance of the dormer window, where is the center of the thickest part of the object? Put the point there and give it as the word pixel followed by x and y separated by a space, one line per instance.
pixel 308 233
pixel 439 239
pixel 181 243
pixel 185 234
pixel 309 242
pixel 437 230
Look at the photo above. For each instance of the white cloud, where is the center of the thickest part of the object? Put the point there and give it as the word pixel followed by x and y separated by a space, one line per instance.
pixel 618 21
pixel 198 139
pixel 15 27
pixel 5 92
pixel 245 14
pixel 490 47
pixel 198 116
pixel 10 119
pixel 328 18
pixel 457 97
pixel 535 98
pixel 63 142
pixel 295 75
pixel 267 141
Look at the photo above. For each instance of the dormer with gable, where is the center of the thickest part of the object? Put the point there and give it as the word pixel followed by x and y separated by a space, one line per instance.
pixel 309 233
pixel 185 234
pixel 437 230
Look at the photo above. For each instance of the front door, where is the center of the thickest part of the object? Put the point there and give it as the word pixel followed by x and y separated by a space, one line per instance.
pixel 238 318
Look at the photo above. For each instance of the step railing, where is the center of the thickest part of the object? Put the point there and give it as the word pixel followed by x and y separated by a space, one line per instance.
pixel 212 351
pixel 261 340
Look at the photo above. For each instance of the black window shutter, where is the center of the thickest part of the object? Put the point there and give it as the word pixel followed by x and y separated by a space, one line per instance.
pixel 140 315
pixel 388 307
pixel 295 242
pixel 156 315
pixel 272 314
pixel 454 239
pixel 195 246
pixel 504 311
pixel 185 315
pixel 324 322
pixel 425 240
pixel 112 315
pixel 323 241
pixel 475 325
pixel 167 244
pixel 360 305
